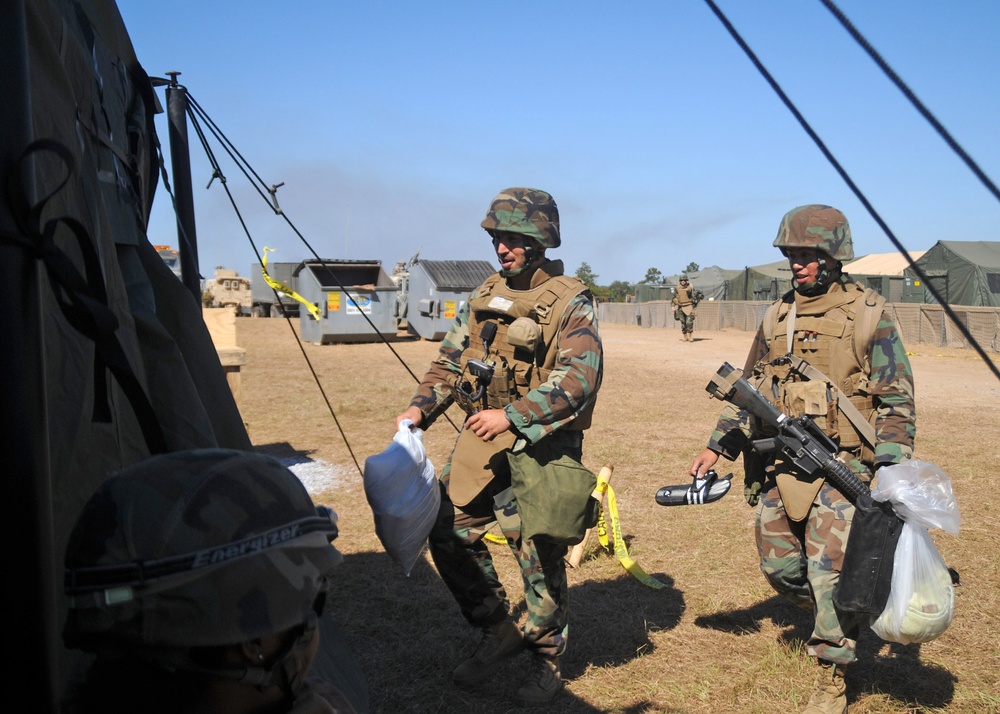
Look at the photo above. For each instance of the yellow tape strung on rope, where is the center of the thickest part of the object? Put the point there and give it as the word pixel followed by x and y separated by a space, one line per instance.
pixel 621 550
pixel 282 288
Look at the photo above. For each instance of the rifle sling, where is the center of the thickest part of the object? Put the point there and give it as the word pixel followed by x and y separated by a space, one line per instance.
pixel 866 430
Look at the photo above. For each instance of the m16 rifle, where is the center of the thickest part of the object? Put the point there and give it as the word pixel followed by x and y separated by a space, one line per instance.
pixel 866 574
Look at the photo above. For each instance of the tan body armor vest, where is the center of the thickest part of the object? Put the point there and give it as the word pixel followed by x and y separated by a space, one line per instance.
pixel 824 336
pixel 683 295
pixel 524 350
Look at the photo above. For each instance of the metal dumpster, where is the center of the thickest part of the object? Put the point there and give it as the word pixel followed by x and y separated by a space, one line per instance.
pixel 437 290
pixel 346 292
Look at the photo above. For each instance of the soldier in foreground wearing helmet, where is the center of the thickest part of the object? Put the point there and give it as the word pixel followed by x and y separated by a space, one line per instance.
pixel 537 327
pixel 854 354
pixel 199 579
pixel 685 302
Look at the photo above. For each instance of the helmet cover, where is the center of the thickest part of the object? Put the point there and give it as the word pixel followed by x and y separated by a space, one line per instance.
pixel 819 227
pixel 200 548
pixel 527 211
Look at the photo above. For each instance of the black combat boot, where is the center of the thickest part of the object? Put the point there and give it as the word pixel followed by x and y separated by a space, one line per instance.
pixel 542 684
pixel 499 641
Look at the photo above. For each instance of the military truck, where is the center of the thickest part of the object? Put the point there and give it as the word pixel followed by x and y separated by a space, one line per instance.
pixel 263 303
pixel 228 289
pixel 170 257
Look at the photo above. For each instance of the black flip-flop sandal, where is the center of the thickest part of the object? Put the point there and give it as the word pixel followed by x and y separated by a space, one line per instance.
pixel 700 491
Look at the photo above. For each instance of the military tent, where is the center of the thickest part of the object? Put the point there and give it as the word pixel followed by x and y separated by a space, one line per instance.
pixel 711 281
pixel 760 282
pixel 106 357
pixel 883 272
pixel 963 273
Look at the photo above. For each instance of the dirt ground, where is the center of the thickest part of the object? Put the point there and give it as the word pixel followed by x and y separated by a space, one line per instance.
pixel 715 638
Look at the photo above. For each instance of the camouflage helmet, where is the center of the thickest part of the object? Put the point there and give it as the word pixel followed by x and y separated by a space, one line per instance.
pixel 815 226
pixel 683 277
pixel 201 548
pixel 528 211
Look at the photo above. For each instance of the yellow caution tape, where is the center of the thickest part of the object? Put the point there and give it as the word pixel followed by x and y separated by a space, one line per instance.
pixel 621 550
pixel 282 288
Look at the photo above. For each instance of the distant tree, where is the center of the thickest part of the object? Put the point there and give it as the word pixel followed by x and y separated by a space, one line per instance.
pixel 587 275
pixel 692 267
pixel 619 290
pixel 653 277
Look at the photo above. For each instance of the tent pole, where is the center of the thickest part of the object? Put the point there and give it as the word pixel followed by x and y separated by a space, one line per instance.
pixel 180 161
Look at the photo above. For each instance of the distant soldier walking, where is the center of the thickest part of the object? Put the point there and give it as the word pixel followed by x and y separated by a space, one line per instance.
pixel 685 301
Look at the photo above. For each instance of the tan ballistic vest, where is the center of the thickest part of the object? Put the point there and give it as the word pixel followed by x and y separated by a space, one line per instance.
pixel 682 295
pixel 517 368
pixel 824 336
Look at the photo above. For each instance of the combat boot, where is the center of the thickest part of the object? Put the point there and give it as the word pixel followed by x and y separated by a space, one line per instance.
pixel 829 691
pixel 542 684
pixel 499 641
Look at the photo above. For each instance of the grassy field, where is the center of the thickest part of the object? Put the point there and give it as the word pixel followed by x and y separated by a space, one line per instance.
pixel 716 639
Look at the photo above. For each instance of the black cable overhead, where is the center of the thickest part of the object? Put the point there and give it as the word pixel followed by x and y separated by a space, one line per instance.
pixel 272 201
pixel 850 183
pixel 197 115
pixel 217 173
pixel 908 93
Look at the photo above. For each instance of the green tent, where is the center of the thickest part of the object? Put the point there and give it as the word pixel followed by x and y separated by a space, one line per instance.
pixel 963 273
pixel 761 282
pixel 712 281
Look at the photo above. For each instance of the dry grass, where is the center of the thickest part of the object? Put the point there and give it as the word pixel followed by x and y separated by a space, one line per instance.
pixel 716 639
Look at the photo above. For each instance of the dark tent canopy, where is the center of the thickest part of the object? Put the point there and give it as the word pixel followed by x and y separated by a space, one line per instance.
pixel 106 358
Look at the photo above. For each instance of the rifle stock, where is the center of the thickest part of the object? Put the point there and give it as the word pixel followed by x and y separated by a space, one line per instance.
pixel 866 574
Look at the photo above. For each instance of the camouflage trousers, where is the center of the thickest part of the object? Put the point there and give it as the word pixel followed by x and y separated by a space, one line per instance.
pixel 687 321
pixel 466 566
pixel 802 561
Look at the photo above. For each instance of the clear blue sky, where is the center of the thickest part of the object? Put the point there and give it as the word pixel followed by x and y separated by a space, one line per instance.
pixel 393 124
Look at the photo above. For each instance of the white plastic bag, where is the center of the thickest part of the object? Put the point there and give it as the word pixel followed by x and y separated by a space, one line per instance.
pixel 922 598
pixel 404 495
pixel 920 493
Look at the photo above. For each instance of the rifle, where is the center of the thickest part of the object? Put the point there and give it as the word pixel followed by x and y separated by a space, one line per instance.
pixel 866 574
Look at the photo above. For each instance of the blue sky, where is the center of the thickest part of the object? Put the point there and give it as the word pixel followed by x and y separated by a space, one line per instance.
pixel 393 124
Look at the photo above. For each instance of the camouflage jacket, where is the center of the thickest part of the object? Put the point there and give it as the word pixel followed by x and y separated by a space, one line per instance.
pixel 890 384
pixel 570 388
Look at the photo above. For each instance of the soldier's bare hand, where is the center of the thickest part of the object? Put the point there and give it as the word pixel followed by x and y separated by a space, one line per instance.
pixel 413 414
pixel 488 423
pixel 703 462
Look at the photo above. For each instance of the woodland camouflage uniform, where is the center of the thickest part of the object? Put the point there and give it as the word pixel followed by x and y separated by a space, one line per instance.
pixel 549 404
pixel 801 553
pixel 685 302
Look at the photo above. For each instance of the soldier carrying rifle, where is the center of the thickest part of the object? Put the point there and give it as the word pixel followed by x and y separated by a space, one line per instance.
pixel 826 350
